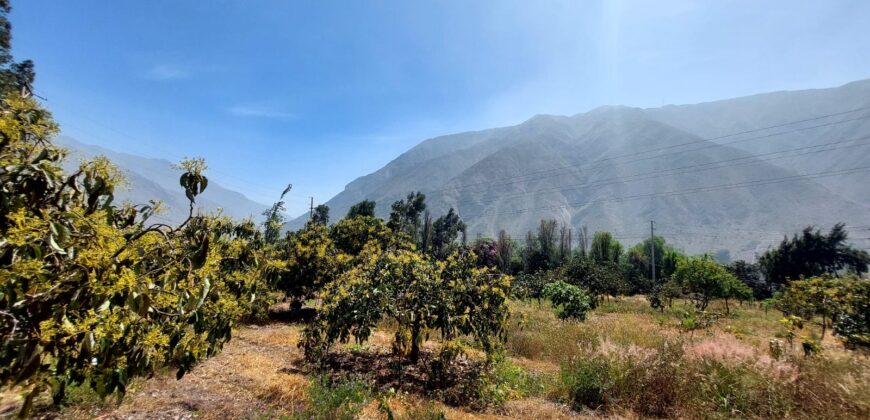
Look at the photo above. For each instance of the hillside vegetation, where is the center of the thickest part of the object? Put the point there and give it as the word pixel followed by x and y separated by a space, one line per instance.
pixel 107 312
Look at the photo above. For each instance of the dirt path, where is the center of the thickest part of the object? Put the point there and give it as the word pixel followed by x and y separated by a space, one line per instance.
pixel 253 377
pixel 258 375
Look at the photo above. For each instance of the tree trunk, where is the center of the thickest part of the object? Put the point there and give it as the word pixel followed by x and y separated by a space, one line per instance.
pixel 727 309
pixel 415 342
pixel 824 325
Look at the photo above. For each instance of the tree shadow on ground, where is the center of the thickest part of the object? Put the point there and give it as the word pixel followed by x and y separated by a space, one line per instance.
pixel 290 314
pixel 454 384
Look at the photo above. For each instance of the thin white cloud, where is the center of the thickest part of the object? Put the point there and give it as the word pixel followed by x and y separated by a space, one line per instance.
pixel 260 112
pixel 166 72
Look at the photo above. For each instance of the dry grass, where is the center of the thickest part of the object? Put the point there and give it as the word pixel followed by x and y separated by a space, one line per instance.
pixel 252 378
pixel 722 372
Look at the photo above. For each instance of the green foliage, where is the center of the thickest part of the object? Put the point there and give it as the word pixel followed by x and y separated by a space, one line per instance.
pixel 336 400
pixel 587 381
pixel 598 277
pixel 504 251
pixel 494 383
pixel 843 302
pixel 446 230
pixel 541 252
pixel 14 77
pixel 750 275
pixel 453 296
pixel 811 254
pixel 666 258
pixel 93 292
pixel 305 262
pixel 405 215
pixel 547 242
pixel 664 295
pixel 274 219
pixel 320 216
pixel 703 279
pixel 811 347
pixel 572 301
pixel 350 235
pixel 852 322
pixel 363 208
pixel 531 286
pixel 605 248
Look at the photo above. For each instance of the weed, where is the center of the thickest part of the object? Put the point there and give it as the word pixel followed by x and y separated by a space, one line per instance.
pixel 337 400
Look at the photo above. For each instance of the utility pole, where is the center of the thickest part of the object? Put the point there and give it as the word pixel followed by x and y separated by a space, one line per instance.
pixel 652 252
pixel 311 209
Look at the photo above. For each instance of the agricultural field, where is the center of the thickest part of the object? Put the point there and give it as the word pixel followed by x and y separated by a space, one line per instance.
pixel 623 262
pixel 626 360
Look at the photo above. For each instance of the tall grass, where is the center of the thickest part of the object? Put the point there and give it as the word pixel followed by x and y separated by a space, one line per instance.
pixel 628 358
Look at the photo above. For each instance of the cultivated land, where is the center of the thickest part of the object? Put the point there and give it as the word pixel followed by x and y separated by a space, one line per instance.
pixel 626 360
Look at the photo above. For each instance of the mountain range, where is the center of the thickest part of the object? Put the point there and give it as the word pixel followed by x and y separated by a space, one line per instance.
pixel 158 179
pixel 732 175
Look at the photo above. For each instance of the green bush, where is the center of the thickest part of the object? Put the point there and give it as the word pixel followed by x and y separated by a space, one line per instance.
pixel 588 381
pixel 571 301
pixel 493 383
pixel 336 400
pixel 649 385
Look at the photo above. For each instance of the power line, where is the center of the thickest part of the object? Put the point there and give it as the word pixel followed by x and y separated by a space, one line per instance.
pixel 753 183
pixel 728 163
pixel 706 146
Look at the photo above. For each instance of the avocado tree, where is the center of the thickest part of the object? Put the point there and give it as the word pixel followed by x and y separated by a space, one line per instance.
pixel 306 261
pixel 838 302
pixel 351 234
pixel 419 294
pixel 94 292
pixel 852 319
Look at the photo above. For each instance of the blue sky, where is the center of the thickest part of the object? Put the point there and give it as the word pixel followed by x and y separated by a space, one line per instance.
pixel 318 93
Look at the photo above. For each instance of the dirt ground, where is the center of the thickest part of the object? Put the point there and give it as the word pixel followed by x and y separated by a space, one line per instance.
pixel 259 374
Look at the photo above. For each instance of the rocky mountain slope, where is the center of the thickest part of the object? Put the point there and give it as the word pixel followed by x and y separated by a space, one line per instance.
pixel 708 174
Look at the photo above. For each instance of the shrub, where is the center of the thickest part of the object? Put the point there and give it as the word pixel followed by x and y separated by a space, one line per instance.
pixel 337 400
pixel 588 380
pixel 599 277
pixel 649 385
pixel 493 383
pixel 571 301
pixel 852 322
pixel 531 286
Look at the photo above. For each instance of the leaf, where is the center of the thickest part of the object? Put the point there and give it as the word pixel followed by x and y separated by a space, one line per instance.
pixel 206 287
pixel 54 245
